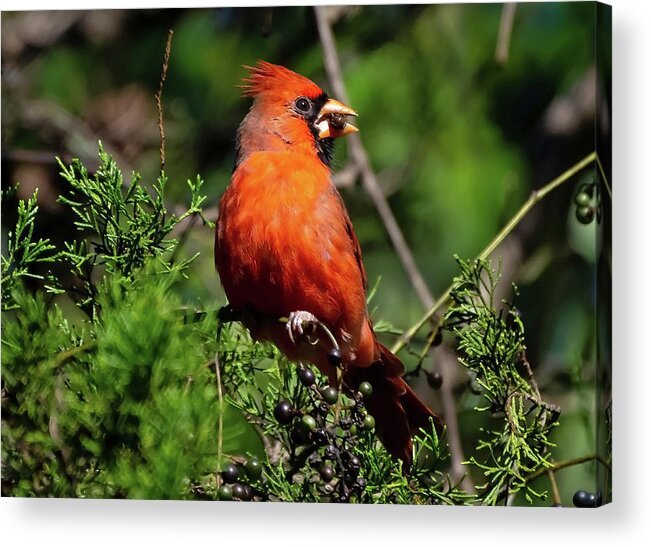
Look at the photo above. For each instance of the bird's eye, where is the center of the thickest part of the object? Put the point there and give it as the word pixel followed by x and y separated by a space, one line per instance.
pixel 303 105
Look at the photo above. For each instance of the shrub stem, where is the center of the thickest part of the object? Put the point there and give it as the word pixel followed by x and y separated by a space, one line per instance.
pixel 534 198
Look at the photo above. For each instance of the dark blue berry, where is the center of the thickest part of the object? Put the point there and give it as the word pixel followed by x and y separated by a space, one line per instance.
pixel 582 498
pixel 307 377
pixel 239 491
pixel 283 412
pixel 230 474
pixel 353 463
pixel 334 357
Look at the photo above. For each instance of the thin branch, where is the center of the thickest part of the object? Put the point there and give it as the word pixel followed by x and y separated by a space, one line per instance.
pixel 159 98
pixel 534 198
pixel 346 176
pixel 360 157
pixel 52 117
pixel 555 492
pixel 567 463
pixel 372 187
pixel 63 356
pixel 35 156
pixel 504 36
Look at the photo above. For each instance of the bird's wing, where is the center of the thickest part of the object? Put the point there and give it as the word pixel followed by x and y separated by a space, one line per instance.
pixel 357 250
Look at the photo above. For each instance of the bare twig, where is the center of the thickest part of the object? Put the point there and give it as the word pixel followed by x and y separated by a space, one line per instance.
pixel 370 183
pixel 448 365
pixel 159 98
pixel 35 156
pixel 360 157
pixel 346 176
pixel 555 492
pixel 504 36
pixel 49 115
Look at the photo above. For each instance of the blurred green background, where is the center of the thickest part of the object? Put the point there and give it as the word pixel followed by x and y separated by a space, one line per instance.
pixel 458 135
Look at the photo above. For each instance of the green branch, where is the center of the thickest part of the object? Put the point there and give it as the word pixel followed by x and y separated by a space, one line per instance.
pixel 63 356
pixel 534 198
pixel 566 463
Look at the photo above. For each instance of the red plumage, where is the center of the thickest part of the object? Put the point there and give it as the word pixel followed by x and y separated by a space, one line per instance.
pixel 285 243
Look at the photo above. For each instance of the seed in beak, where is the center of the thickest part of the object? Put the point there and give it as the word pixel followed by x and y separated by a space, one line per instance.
pixel 333 125
pixel 338 121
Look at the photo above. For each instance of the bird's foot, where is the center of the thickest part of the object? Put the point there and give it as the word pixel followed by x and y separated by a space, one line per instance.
pixel 301 323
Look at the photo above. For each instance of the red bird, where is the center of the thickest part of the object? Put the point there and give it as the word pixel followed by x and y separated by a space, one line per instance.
pixel 285 247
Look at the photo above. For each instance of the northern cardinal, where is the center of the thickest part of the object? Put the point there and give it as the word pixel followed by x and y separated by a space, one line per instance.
pixel 285 247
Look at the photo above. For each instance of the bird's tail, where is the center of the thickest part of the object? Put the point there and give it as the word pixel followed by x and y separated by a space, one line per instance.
pixel 397 410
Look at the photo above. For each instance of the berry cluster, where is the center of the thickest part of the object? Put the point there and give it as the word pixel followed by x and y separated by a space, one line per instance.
pixel 322 436
pixel 320 428
pixel 587 203
pixel 242 482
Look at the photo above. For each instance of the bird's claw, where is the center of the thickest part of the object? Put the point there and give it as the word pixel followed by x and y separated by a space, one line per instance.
pixel 299 323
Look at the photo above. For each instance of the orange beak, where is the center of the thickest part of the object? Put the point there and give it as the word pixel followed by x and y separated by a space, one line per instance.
pixel 332 122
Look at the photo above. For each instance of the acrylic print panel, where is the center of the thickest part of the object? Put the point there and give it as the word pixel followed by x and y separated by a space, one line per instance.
pixel 390 285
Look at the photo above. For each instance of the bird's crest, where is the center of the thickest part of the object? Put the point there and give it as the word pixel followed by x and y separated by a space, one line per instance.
pixel 267 78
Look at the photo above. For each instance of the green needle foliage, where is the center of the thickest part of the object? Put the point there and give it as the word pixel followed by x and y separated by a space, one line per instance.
pixel 110 388
pixel 22 251
pixel 120 403
pixel 491 345
pixel 317 432
pixel 127 225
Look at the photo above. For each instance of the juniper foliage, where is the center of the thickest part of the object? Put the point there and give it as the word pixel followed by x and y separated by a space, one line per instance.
pixel 133 396
pixel 23 252
pixel 491 345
